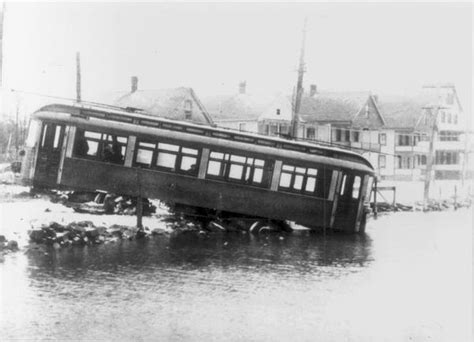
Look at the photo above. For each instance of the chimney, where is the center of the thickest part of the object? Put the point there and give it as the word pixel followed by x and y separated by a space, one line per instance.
pixel 313 90
pixel 242 86
pixel 134 84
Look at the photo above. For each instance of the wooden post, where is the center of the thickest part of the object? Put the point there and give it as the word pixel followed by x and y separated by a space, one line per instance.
pixel 139 202
pixel 455 197
pixel 429 159
pixel 139 212
pixel 78 77
pixel 2 17
pixel 375 197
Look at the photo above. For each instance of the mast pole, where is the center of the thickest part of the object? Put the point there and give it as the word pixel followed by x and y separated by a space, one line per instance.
pixel 299 86
pixel 2 19
pixel 78 77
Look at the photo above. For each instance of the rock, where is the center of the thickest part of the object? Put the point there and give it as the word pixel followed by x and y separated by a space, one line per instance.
pixel 37 235
pixel 2 239
pixel 12 245
pixel 92 233
pixel 85 224
pixel 63 237
pixel 157 231
pixel 57 227
pixel 140 234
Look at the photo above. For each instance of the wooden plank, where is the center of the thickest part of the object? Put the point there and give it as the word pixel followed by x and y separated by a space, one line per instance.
pixel 203 163
pixel 63 153
pixel 336 197
pixel 276 175
pixel 130 152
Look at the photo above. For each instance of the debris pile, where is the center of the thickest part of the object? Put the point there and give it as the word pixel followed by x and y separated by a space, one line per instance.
pixel 432 205
pixel 101 203
pixel 84 233
pixel 7 246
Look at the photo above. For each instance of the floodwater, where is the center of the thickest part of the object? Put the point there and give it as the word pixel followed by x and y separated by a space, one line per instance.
pixel 409 278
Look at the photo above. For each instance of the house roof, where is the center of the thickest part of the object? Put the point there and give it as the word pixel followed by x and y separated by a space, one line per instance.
pixel 166 103
pixel 334 106
pixel 406 111
pixel 238 106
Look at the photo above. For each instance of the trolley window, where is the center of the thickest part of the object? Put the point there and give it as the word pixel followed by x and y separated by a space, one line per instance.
pixel 100 146
pixel 305 180
pixel 239 169
pixel 350 187
pixel 167 157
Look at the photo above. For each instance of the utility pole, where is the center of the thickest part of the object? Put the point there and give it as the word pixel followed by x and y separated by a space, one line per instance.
pixel 429 161
pixel 78 77
pixel 299 87
pixel 2 18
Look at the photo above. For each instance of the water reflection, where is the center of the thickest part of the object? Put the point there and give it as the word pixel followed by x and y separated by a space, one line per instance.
pixel 300 252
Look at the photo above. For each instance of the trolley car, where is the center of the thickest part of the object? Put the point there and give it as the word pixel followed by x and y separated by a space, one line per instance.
pixel 92 147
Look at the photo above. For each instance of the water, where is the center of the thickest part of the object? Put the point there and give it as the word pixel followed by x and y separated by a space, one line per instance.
pixel 408 279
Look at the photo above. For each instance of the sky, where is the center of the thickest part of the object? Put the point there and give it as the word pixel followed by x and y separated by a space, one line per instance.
pixel 386 48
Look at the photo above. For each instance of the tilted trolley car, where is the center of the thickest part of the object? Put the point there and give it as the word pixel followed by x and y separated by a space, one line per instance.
pixel 132 153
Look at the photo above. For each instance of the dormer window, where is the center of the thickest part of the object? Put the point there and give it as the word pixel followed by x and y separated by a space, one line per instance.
pixel 188 109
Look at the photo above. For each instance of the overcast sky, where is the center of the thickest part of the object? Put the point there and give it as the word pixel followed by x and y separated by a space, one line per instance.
pixel 384 48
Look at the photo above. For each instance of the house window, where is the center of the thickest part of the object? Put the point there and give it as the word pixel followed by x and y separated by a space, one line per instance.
pixel 399 162
pixel 382 161
pixel 423 160
pixel 448 136
pixel 188 109
pixel 455 119
pixel 403 140
pixel 347 135
pixel 310 133
pixel 338 134
pixel 383 139
pixel 450 99
pixel 278 111
pixel 416 139
pixel 449 117
pixel 443 117
pixel 355 136
pixel 242 126
pixel 446 158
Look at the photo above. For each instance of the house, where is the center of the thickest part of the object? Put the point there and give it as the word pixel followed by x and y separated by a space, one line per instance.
pixel 346 119
pixel 237 111
pixel 175 103
pixel 411 119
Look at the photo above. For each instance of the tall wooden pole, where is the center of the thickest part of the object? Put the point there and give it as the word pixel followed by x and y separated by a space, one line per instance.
pixel 2 18
pixel 78 77
pixel 299 87
pixel 430 159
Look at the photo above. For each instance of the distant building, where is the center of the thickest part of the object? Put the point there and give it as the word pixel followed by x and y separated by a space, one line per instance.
pixel 237 111
pixel 392 132
pixel 346 119
pixel 410 119
pixel 176 103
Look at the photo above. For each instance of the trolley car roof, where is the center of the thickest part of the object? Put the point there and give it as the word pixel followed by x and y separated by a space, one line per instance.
pixel 141 118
